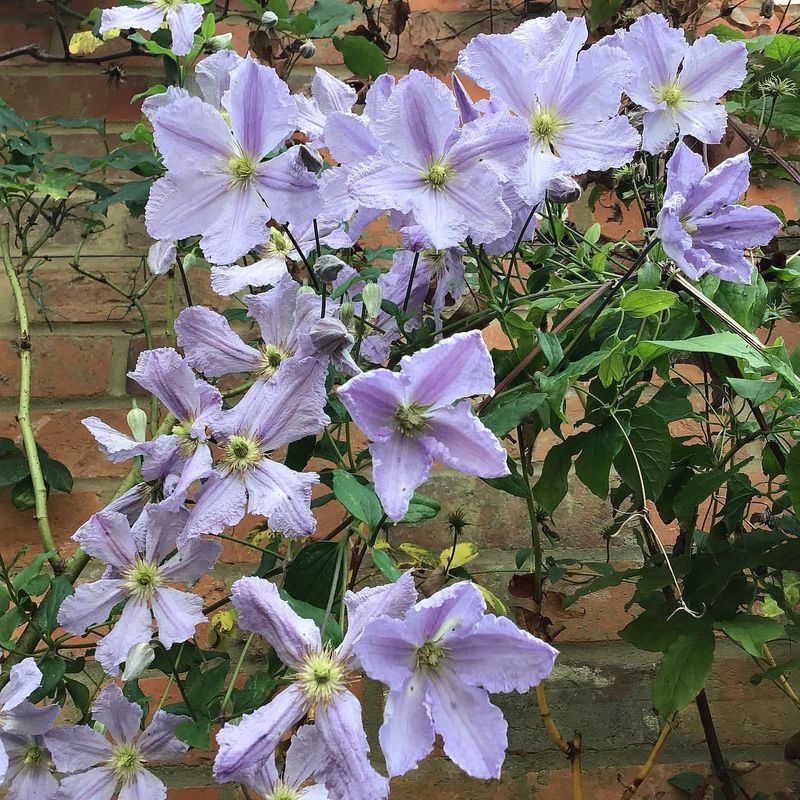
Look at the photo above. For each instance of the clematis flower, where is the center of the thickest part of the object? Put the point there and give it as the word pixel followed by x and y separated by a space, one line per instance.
pixel 521 218
pixel 272 414
pixel 701 227
pixel 302 758
pixel 29 774
pixel 183 18
pixel 320 683
pixel 138 573
pixel 96 767
pixel 412 417
pixel 217 183
pixel 678 84
pixel 328 94
pixel 569 99
pixel 445 176
pixel 440 662
pixel 162 257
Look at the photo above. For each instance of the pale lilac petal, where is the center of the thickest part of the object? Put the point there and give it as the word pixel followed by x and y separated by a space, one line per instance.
pixel 115 446
pixel 500 657
pixel 399 465
pixel 219 503
pixel 76 747
pixel 183 21
pixel 347 773
pixel 274 310
pixel 90 605
pixel 33 783
pixel 261 108
pixel 255 737
pixel 310 119
pixel 387 652
pixel 96 784
pixel 712 67
pixel 158 741
pixel 372 400
pixel 675 240
pixel 198 466
pixel 147 18
pixel 377 95
pixel 283 496
pixel 467 108
pixel 474 731
pixel 407 733
pixel 378 183
pixel 315 792
pixel 724 262
pixel 210 344
pixel 558 69
pixel 349 138
pixel 456 609
pixel 143 785
pixel 153 104
pixel 596 89
pixel 737 226
pixel 287 186
pixel 497 140
pixel 539 168
pixel 117 713
pixel 29 720
pixel 302 757
pixel 458 439
pixel 213 75
pixel 192 561
pixel 162 257
pixel 263 777
pixel 157 530
pixel 391 601
pixel 162 457
pixel 177 614
pixel 230 279
pixel 108 538
pixel 659 128
pixel 598 146
pixel 459 366
pixel 262 610
pixel 543 35
pixel 133 626
pixel 332 94
pixel 706 193
pixel 165 374
pixel 705 120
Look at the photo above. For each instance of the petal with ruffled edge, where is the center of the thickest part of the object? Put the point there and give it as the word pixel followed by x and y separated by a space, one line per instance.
pixel 712 67
pixel 33 783
pixel 243 746
pixel 380 183
pixel 153 104
pixel 387 652
pixel 372 400
pixel 117 713
pixel 659 128
pixel 736 226
pixel 210 344
pixel 183 21
pixel 474 731
pixel 76 747
pixel 161 257
pixel 146 18
pixel 497 140
pixel 460 366
pixel 539 168
pixel 349 138
pixel 90 605
pixel 598 146
pixel 685 170
pixel 274 309
pixel 96 784
pixel 108 538
pixel 157 530
pixel 346 772
pixel 261 609
pixel 213 75
pixel 29 720
pixel 407 733
pixel 143 785
pixel 705 120
pixel 164 373
pixel 399 465
pixel 706 193
pixel 133 626
pixel 332 94
pixel 158 741
pixel 454 610
pixel 177 614
pixel 724 262
pixel 229 279
pixel 595 92
pixel 302 757
pixel 220 502
pixel 193 560
pixel 500 657
pixel 115 446
pixel 675 240
pixel 287 186
pixel 558 68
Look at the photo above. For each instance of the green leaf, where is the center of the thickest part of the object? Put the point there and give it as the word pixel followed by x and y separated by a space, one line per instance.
pixel 757 391
pixel 683 672
pixel 196 733
pixel 512 484
pixel 651 442
pixel 508 410
pixel 361 501
pixel 775 672
pixel 783 47
pixel 697 489
pixel 56 475
pixel 208 27
pixel 384 563
pixel 204 688
pixel 60 588
pixel 648 276
pixel 361 57
pixel 793 476
pixel 52 669
pixel 22 494
pixel 689 781
pixel 601 11
pixel 134 194
pixel 79 692
pixel 599 449
pixel 751 632
pixel 724 344
pixel 309 576
pixel 329 15
pixel 421 508
pixel 299 453
pixel 671 402
pixel 658 626
pixel 725 33
pixel 9 622
pixel 644 302
pixel 26 575
pixel 551 488
pixel 332 633
pixel 255 693
pixel 12 470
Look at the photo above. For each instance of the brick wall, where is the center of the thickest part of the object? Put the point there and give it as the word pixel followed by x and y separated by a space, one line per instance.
pixel 86 344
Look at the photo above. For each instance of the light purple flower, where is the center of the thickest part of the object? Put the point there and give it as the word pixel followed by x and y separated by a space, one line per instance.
pixel 321 677
pixel 217 183
pixel 569 99
pixel 182 18
pixel 138 573
pixel 679 85
pixel 521 218
pixel 412 417
pixel 440 663
pixel 161 257
pixel 445 176
pixel 96 767
pixel 701 227
pixel 29 775
pixel 272 414
pixel 328 95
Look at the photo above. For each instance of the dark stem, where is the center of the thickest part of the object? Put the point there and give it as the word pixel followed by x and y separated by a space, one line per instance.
pixel 411 281
pixel 712 743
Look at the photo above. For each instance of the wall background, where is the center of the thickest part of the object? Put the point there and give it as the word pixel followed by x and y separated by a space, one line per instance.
pixel 600 685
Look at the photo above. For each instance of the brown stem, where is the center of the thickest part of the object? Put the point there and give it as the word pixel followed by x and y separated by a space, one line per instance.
pixel 577 775
pixel 549 723
pixel 714 749
pixel 648 765
pixel 37 54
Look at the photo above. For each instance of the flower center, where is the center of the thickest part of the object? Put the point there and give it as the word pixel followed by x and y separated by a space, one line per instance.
pixel 186 444
pixel 142 579
pixel 241 453
pixel 278 245
pixel 282 791
pixel 671 94
pixel 411 419
pixel 271 358
pixel 125 761
pixel 167 4
pixel 430 655
pixel 435 261
pixel 242 168
pixel 437 174
pixel 545 126
pixel 688 225
pixel 32 755
pixel 321 677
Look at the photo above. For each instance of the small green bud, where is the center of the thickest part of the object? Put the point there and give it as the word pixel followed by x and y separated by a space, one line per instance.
pixel 269 19
pixel 140 656
pixel 372 295
pixel 137 422
pixel 346 313
pixel 220 42
pixel 307 49
pixel 306 289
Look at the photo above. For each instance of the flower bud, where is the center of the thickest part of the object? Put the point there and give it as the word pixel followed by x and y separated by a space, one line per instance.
pixel 269 19
pixel 329 336
pixel 139 658
pixel 372 295
pixel 137 422
pixel 563 190
pixel 219 42
pixel 311 159
pixel 347 313
pixel 306 289
pixel 307 49
pixel 161 257
pixel 328 267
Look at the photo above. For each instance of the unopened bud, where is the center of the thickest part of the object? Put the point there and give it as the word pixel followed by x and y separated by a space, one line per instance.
pixel 329 336
pixel 269 19
pixel 347 313
pixel 328 267
pixel 307 49
pixel 311 159
pixel 137 422
pixel 372 295
pixel 139 658
pixel 563 190
pixel 219 42
pixel 161 257
pixel 306 289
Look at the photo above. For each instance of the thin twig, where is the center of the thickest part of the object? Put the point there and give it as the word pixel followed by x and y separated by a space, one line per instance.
pixel 648 765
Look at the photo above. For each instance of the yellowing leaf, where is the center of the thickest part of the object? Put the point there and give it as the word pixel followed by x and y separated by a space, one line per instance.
pixel 464 553
pixel 493 601
pixel 419 554
pixel 111 33
pixel 83 43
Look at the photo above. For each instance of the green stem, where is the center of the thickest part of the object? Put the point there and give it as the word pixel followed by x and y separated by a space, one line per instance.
pixel 237 669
